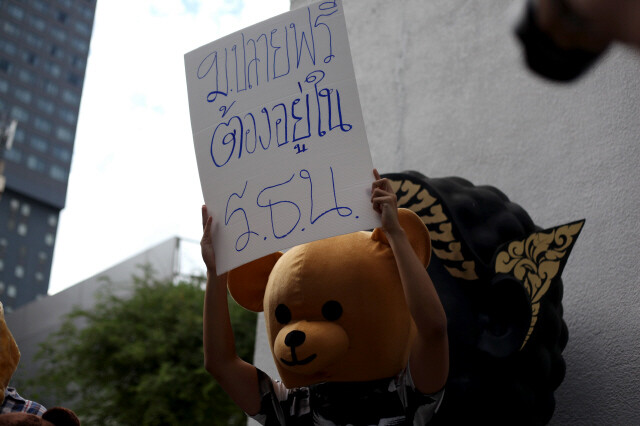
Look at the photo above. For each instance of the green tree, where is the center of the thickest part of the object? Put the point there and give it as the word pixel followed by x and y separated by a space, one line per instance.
pixel 138 360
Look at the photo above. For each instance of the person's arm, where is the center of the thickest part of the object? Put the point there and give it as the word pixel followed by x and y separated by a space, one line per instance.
pixel 237 377
pixel 429 359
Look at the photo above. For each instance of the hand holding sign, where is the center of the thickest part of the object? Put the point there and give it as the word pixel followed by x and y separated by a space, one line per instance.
pixel 206 243
pixel 279 136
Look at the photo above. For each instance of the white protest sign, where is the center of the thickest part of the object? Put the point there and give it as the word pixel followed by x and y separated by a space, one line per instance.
pixel 279 136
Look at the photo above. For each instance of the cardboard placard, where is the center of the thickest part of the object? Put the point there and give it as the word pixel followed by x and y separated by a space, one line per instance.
pixel 279 136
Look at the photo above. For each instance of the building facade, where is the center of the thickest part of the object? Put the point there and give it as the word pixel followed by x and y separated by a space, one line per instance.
pixel 44 47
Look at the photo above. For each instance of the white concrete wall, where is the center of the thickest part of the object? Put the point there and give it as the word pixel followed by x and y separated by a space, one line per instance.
pixel 444 92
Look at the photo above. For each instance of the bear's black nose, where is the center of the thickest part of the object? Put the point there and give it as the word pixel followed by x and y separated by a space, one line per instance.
pixel 294 338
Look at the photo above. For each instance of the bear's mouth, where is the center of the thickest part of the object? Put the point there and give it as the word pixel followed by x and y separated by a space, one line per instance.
pixel 295 361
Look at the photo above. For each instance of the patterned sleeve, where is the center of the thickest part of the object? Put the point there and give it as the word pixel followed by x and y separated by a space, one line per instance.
pixel 420 407
pixel 272 394
pixel 13 403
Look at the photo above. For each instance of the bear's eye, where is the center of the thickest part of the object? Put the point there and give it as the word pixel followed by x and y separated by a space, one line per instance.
pixel 283 314
pixel 332 310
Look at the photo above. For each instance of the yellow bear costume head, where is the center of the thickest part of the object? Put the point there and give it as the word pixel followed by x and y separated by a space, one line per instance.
pixel 335 309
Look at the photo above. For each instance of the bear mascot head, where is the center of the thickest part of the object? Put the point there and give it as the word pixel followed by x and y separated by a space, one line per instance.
pixel 335 309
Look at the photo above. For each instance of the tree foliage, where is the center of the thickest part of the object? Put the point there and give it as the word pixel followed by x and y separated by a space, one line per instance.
pixel 138 360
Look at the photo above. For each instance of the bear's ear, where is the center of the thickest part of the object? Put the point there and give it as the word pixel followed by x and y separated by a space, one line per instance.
pixel 248 282
pixel 416 231
pixel 60 416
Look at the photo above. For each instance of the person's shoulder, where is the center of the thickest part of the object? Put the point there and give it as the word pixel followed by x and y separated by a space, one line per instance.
pixel 13 403
pixel 274 386
pixel 280 404
pixel 422 406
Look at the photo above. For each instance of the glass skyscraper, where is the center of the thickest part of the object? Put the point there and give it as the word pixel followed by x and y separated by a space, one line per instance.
pixel 44 46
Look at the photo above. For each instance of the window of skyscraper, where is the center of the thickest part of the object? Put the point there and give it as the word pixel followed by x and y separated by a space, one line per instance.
pixel 3 247
pixel 30 57
pixel 61 16
pixel 80 44
pixel 42 124
pixel 34 41
pixel 12 291
pixel 1 264
pixel 78 62
pixel 26 77
pixel 52 68
pixel 69 97
pixel 64 134
pixel 22 95
pixel 45 105
pixel 82 28
pixel 53 220
pixel 74 79
pixel 40 5
pixel 22 229
pixel 8 47
pixel 38 143
pixel 58 173
pixel 50 88
pixel 48 239
pixel 13 155
pixel 67 115
pixel 61 154
pixel 36 22
pixel 1 287
pixel 87 14
pixel 19 113
pixel 5 65
pixel 11 29
pixel 34 163
pixel 20 135
pixel 59 34
pixel 56 52
pixel 25 209
pixel 15 11
pixel 4 86
pixel 19 271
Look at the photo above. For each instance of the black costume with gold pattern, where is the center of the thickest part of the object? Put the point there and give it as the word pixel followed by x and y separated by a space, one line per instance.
pixel 498 278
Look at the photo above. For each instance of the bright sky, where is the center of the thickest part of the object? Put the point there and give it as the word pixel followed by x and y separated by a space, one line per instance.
pixel 134 180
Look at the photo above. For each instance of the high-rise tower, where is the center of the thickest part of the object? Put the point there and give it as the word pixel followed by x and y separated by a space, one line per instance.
pixel 44 46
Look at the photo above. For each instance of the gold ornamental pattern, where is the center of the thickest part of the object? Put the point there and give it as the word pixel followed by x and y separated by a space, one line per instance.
pixel 536 261
pixel 418 199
